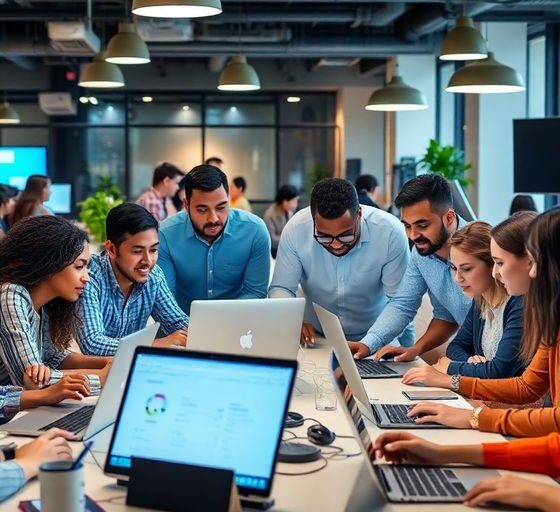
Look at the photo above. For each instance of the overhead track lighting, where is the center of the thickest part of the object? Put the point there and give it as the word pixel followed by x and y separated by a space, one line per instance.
pixel 238 75
pixel 176 8
pixel 100 74
pixel 464 42
pixel 7 114
pixel 127 47
pixel 397 96
pixel 487 76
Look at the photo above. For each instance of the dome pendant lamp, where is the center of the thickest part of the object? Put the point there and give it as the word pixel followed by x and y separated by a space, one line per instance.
pixel 397 96
pixel 238 75
pixel 176 8
pixel 127 47
pixel 464 42
pixel 8 115
pixel 100 74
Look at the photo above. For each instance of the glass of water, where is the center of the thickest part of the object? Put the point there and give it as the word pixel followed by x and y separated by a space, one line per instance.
pixel 325 393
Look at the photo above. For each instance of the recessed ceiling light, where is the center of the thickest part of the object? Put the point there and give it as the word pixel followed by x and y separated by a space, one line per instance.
pixel 293 99
pixel 147 99
pixel 186 108
pixel 233 109
pixel 83 99
pixel 93 100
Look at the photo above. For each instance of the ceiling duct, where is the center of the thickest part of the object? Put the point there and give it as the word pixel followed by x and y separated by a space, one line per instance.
pixel 164 30
pixel 72 37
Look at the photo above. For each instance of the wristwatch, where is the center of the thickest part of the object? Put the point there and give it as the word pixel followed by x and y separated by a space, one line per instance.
pixel 8 451
pixel 474 417
pixel 455 381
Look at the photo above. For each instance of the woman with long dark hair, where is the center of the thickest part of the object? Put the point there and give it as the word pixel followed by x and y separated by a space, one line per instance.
pixel 30 203
pixel 7 203
pixel 43 271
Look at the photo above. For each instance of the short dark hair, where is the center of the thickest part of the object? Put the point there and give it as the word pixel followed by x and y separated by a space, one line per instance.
pixel 366 182
pixel 522 202
pixel 216 159
pixel 206 178
pixel 332 197
pixel 432 187
pixel 128 219
pixel 240 182
pixel 165 170
pixel 7 192
pixel 286 193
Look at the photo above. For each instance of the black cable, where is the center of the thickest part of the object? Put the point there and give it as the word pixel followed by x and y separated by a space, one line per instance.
pixel 311 471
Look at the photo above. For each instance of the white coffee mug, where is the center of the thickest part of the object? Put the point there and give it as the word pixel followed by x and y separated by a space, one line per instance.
pixel 62 488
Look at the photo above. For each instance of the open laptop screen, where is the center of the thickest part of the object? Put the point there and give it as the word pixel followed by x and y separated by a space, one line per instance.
pixel 210 410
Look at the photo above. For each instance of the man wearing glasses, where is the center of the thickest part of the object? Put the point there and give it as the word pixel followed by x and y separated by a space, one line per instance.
pixel 348 258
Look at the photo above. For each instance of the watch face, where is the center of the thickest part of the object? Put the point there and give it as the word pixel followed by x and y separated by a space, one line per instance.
pixel 9 451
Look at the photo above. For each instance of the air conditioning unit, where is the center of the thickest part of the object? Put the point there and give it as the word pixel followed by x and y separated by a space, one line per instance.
pixel 164 31
pixel 73 37
pixel 57 103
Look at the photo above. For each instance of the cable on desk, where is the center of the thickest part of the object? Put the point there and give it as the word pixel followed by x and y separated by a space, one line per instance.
pixel 311 471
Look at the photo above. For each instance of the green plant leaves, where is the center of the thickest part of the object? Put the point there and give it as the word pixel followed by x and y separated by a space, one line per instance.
pixel 448 161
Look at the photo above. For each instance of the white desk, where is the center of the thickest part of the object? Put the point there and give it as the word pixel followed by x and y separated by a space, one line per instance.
pixel 332 489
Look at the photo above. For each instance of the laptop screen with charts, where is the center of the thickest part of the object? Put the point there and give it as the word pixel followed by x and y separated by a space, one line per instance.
pixel 255 327
pixel 204 409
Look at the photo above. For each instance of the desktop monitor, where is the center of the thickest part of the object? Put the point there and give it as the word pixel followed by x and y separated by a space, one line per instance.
pixel 17 163
pixel 213 410
pixel 61 198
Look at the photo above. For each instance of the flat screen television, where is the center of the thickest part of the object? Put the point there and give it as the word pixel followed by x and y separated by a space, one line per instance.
pixel 536 152
pixel 17 163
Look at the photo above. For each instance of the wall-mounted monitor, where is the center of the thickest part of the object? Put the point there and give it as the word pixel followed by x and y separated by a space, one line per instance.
pixel 536 152
pixel 17 163
pixel 60 201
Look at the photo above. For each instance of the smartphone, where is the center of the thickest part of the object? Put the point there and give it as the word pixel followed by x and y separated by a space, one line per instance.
pixel 443 394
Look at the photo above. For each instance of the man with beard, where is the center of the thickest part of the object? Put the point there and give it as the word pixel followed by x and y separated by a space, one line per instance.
pixel 427 213
pixel 208 251
pixel 126 286
pixel 348 258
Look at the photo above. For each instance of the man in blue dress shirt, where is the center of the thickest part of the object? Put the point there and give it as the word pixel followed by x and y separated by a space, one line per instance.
pixel 209 251
pixel 348 258
pixel 427 213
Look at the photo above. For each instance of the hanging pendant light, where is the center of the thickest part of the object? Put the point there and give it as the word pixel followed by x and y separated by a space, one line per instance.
pixel 100 74
pixel 464 42
pixel 397 96
pixel 239 76
pixel 176 8
pixel 487 76
pixel 127 47
pixel 8 115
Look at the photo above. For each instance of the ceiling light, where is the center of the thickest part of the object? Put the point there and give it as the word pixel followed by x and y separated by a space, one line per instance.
pixel 8 115
pixel 83 99
pixel 101 74
pixel 127 47
pixel 186 108
pixel 239 76
pixel 147 99
pixel 233 109
pixel 464 42
pixel 397 96
pixel 176 8
pixel 93 100
pixel 486 76
pixel 293 99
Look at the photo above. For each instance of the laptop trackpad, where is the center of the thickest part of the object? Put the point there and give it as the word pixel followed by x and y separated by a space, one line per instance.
pixel 40 417
pixel 471 476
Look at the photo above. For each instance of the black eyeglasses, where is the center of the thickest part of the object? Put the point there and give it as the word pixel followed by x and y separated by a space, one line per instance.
pixel 343 239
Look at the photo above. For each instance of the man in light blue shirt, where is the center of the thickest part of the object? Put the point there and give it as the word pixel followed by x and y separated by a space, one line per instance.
pixel 427 213
pixel 348 258
pixel 209 251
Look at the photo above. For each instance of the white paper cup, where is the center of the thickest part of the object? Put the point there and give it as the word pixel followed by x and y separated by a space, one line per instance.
pixel 62 489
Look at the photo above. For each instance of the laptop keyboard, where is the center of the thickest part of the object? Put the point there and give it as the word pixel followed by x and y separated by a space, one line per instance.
pixel 427 482
pixel 367 367
pixel 75 421
pixel 397 413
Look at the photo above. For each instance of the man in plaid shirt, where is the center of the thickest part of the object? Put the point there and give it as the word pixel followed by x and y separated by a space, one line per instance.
pixel 165 184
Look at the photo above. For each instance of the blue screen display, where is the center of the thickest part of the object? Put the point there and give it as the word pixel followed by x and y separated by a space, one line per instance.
pixel 18 163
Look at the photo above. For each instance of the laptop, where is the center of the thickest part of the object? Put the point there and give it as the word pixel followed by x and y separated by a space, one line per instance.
pixel 367 368
pixel 255 327
pixel 204 409
pixel 409 483
pixel 86 420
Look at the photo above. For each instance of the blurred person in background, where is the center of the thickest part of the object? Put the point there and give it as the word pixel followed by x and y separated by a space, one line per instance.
pixel 366 185
pixel 237 197
pixel 31 201
pixel 522 202
pixel 278 214
pixel 216 161
pixel 165 184
pixel 8 196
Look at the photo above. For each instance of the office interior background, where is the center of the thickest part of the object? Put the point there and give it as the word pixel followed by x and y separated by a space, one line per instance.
pixel 318 63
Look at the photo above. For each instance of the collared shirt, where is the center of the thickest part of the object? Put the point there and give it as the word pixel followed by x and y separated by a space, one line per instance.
pixel 430 274
pixel 108 315
pixel 355 286
pixel 235 266
pixel 25 339
pixel 10 397
pixel 276 221
pixel 154 203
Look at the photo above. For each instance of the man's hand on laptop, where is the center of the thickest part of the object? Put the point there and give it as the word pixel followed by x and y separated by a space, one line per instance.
pixel 74 386
pixel 406 448
pixel 308 335
pixel 400 354
pixel 177 338
pixel 36 376
pixel 359 350
pixel 427 376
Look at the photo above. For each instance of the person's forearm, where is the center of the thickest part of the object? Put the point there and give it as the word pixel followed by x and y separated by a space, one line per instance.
pixel 549 500
pixel 438 332
pixel 76 361
pixel 463 454
pixel 31 398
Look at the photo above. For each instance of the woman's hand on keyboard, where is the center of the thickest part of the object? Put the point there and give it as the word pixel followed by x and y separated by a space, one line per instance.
pixel 427 376
pixel 428 412
pixel 73 386
pixel 406 448
pixel 400 354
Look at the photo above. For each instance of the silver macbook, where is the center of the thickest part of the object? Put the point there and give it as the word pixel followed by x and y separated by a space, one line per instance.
pixel 408 483
pixel 367 368
pixel 255 327
pixel 86 420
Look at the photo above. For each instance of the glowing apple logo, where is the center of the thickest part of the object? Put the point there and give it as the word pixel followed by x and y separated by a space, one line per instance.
pixel 246 340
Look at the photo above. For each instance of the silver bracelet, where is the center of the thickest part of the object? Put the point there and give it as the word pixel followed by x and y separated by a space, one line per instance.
pixel 455 381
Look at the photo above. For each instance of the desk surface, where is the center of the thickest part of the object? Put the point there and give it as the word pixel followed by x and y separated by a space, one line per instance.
pixel 342 485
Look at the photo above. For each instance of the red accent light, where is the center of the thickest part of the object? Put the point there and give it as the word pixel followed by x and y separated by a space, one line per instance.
pixel 71 76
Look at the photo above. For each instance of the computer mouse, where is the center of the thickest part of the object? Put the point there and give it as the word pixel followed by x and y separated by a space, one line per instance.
pixel 320 435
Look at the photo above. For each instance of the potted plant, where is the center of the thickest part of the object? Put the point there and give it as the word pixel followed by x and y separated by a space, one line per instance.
pixel 448 161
